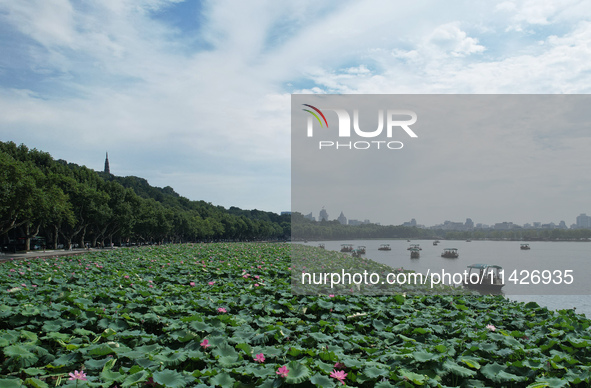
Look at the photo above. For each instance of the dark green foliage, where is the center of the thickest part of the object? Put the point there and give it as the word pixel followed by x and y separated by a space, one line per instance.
pixel 70 204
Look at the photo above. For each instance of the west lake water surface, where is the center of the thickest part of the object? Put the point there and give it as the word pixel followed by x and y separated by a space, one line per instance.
pixel 562 262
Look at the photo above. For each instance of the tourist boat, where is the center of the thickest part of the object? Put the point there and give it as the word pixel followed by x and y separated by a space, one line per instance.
pixel 321 246
pixel 484 278
pixel 346 247
pixel 414 246
pixel 525 247
pixel 450 253
pixel 356 253
pixel 361 249
pixel 414 253
pixel 436 242
pixel 468 240
pixel 384 247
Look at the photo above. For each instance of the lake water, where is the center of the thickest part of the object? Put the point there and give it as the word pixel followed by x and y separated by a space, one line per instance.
pixel 555 258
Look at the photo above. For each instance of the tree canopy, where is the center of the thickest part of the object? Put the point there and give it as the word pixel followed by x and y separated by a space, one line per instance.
pixel 63 203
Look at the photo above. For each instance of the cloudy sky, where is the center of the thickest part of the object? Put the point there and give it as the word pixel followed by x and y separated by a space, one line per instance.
pixel 196 95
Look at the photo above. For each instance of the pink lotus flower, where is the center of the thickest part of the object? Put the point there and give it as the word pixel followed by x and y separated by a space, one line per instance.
pixel 221 310
pixel 205 343
pixel 283 371
pixel 339 375
pixel 78 376
pixel 491 327
pixel 256 284
pixel 126 276
pixel 331 296
pixel 211 283
pixel 260 358
pixel 192 284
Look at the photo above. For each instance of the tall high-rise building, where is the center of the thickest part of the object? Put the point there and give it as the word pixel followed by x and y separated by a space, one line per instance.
pixel 342 219
pixel 584 221
pixel 323 215
pixel 107 169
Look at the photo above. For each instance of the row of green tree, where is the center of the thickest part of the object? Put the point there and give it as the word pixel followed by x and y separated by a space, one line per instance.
pixel 62 203
pixel 304 229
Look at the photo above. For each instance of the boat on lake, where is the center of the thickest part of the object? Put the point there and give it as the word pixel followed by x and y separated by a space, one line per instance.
pixel 346 247
pixel 525 247
pixel 484 278
pixel 414 253
pixel 436 242
pixel 321 246
pixel 414 246
pixel 450 253
pixel 384 247
pixel 361 249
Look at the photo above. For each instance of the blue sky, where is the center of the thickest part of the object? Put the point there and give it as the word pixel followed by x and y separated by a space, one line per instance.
pixel 196 95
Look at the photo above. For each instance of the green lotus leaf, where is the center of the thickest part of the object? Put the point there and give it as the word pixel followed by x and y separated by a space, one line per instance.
pixel 458 370
pixel 35 371
pixel 96 364
pixel 66 360
pixel 101 350
pixel 550 382
pixel 384 384
pixel 36 383
pixel 322 381
pixel 373 372
pixel 413 377
pixel 224 350
pixel 18 351
pixel 111 376
pixel 320 337
pixel 135 378
pixel 11 383
pixel 425 356
pixel 496 373
pixel 222 379
pixel 298 373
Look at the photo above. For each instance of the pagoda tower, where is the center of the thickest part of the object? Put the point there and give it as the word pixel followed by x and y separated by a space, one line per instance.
pixel 107 169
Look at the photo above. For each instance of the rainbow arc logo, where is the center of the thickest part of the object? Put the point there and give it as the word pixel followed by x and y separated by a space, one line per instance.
pixel 315 115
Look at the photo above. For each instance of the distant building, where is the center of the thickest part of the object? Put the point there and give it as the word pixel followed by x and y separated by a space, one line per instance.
pixel 562 225
pixel 310 217
pixel 107 169
pixel 469 224
pixel 323 215
pixel 583 221
pixel 355 222
pixel 410 223
pixel 505 226
pixel 286 213
pixel 342 219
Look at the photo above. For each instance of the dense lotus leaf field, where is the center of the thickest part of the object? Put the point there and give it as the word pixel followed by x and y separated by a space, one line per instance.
pixel 223 315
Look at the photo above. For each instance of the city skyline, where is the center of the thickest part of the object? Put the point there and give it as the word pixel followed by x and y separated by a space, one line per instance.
pixel 581 221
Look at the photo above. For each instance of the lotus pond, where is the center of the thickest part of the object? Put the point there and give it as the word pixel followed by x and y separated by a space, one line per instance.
pixel 223 315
